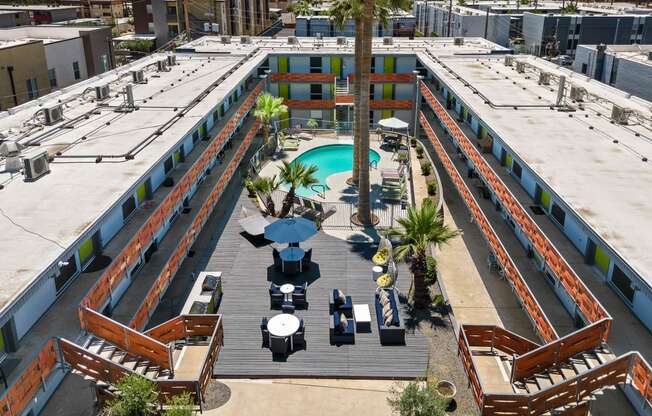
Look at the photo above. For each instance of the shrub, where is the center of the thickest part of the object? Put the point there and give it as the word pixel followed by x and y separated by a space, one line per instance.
pixel 432 187
pixel 180 405
pixel 137 396
pixel 416 399
pixel 419 151
pixel 413 142
pixel 426 168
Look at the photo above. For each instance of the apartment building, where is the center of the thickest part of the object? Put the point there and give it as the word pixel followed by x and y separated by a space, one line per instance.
pixel 40 59
pixel 10 18
pixel 107 10
pixel 626 67
pixel 402 24
pixel 44 13
pixel 555 34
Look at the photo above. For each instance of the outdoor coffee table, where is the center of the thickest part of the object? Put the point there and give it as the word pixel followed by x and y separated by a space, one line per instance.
pixel 287 290
pixel 362 318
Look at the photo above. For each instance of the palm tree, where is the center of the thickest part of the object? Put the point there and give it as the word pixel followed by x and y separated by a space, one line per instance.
pixel 264 187
pixel 421 228
pixel 268 108
pixel 301 8
pixel 295 174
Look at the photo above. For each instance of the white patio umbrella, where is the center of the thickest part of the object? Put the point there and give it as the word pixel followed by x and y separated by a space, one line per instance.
pixel 393 123
pixel 290 230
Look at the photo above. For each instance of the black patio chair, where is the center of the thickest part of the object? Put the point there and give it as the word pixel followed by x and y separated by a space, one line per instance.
pixel 278 263
pixel 291 267
pixel 278 345
pixel 298 338
pixel 287 307
pixel 264 332
pixel 299 300
pixel 307 259
pixel 276 299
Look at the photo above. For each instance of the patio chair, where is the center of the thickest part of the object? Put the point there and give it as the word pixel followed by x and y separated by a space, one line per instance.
pixel 299 300
pixel 290 267
pixel 335 304
pixel 291 144
pixel 393 173
pixel 264 332
pixel 306 261
pixel 276 298
pixel 339 335
pixel 300 288
pixel 298 206
pixel 278 263
pixel 278 345
pixel 298 338
pixel 287 307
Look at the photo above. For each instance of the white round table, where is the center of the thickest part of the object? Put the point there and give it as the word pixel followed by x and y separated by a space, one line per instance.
pixel 283 325
pixel 376 272
pixel 287 290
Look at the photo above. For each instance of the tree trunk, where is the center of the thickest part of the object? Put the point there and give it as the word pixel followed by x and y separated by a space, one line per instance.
pixel 359 38
pixel 364 208
pixel 418 269
pixel 288 201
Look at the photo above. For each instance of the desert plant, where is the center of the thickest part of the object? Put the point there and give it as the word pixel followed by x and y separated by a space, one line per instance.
pixel 295 174
pixel 426 168
pixel 432 187
pixel 265 187
pixel 180 405
pixel 419 150
pixel 137 396
pixel 421 228
pixel 416 399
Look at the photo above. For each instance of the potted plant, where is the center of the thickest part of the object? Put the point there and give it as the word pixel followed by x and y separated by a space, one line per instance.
pixel 446 389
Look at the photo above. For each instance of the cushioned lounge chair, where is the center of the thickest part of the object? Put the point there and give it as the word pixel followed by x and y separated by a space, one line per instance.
pixel 339 335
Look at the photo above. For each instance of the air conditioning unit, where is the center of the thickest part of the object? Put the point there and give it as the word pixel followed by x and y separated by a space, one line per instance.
pixel 36 166
pixel 341 41
pixel 620 115
pixel 458 41
pixel 162 65
pixel 544 78
pixel 102 92
pixel 246 40
pixel 225 39
pixel 172 60
pixel 292 40
pixel 53 114
pixel 577 93
pixel 520 67
pixel 509 60
pixel 388 41
pixel 138 77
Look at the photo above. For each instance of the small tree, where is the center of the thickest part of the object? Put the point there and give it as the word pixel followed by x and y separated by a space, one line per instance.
pixel 313 124
pixel 295 174
pixel 416 399
pixel 137 396
pixel 268 108
pixel 265 187
pixel 180 405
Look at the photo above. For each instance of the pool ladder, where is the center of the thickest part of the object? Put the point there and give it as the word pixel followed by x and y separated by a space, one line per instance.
pixel 373 164
pixel 321 194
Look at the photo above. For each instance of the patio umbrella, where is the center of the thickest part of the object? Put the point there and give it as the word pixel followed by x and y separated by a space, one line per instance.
pixel 393 123
pixel 290 230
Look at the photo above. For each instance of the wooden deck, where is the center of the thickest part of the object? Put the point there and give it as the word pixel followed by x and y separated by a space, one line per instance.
pixel 247 273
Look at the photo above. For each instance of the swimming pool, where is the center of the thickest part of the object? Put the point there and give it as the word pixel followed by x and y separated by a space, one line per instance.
pixel 330 159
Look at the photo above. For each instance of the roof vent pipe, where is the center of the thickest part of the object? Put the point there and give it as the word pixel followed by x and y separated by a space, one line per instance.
pixel 562 86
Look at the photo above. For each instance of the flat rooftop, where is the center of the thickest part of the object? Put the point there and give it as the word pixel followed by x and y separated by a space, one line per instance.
pixel 637 53
pixel 36 7
pixel 573 152
pixel 45 33
pixel 41 219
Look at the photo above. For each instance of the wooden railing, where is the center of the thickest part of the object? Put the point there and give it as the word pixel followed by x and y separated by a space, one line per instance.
pixel 527 299
pixel 31 380
pixel 126 338
pixel 100 293
pixel 556 352
pixel 214 348
pixel 574 286
pixel 496 337
pixel 155 293
pixel 184 326
pixel 464 352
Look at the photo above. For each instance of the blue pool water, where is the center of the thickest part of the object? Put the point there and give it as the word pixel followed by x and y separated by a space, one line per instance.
pixel 330 159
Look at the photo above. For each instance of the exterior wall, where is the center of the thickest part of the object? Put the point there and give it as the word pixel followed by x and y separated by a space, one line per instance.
pixel 97 48
pixel 308 26
pixel 11 19
pixel 33 307
pixel 141 17
pixel 634 77
pixel 60 57
pixel 28 62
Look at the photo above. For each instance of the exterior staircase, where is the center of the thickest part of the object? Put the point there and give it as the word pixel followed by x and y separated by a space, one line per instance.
pixel 342 87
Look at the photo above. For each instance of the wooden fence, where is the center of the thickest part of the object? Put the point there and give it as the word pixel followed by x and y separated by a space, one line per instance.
pixel 496 337
pixel 527 299
pixel 586 302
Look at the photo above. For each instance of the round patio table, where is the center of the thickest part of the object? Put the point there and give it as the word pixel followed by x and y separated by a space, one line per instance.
pixel 283 325
pixel 292 254
pixel 287 290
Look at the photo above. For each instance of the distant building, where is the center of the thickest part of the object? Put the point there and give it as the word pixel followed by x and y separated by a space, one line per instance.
pixel 554 34
pixel 107 10
pixel 11 18
pixel 45 14
pixel 398 25
pixel 36 60
pixel 626 67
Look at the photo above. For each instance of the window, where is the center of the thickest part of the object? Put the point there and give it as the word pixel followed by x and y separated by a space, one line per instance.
pixel 373 65
pixel 168 165
pixel 315 92
pixel 128 207
pixel 32 88
pixel 75 69
pixel 104 59
pixel 372 91
pixel 584 68
pixel 622 283
pixel 216 116
pixel 315 64
pixel 316 114
pixel 558 214
pixel 52 77
pixel 66 272
pixel 195 136
pixel 516 169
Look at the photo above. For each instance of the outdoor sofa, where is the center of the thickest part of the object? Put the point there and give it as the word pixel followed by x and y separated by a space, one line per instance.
pixel 394 332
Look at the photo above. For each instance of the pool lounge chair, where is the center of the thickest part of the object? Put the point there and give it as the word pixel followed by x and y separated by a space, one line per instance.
pixel 291 144
pixel 318 213
pixel 393 173
pixel 253 224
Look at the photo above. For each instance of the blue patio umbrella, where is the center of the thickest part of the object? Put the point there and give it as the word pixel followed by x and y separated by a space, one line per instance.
pixel 290 230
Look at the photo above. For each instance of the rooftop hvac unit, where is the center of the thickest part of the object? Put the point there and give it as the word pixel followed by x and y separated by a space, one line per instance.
pixel 207 27
pixel 458 41
pixel 577 93
pixel 162 65
pixel 620 115
pixel 292 40
pixel 341 41
pixel 388 41
pixel 246 40
pixel 225 39
pixel 215 27
pixel 544 78
pixel 138 77
pixel 53 114
pixel 509 60
pixel 102 92
pixel 172 60
pixel 36 166
pixel 520 67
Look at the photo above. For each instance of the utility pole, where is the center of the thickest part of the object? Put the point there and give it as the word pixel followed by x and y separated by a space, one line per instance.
pixel 450 14
pixel 486 22
pixel 185 17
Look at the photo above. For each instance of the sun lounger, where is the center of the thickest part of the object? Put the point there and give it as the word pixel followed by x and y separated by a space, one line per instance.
pixel 304 136
pixel 253 224
pixel 393 173
pixel 291 144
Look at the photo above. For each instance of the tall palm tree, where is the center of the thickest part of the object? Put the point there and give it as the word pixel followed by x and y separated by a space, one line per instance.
pixel 421 228
pixel 265 187
pixel 301 8
pixel 267 109
pixel 295 174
